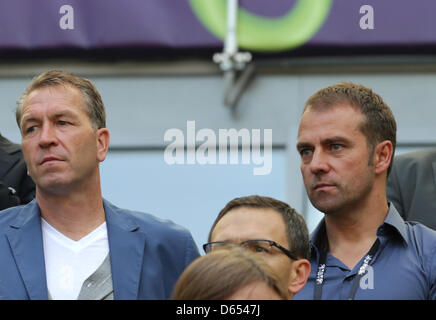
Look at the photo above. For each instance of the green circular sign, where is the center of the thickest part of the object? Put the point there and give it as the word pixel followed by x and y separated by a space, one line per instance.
pixel 266 34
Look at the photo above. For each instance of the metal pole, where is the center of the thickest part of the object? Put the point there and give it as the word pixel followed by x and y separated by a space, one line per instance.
pixel 231 61
pixel 231 44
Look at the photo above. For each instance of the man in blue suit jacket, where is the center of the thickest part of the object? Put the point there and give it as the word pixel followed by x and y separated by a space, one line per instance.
pixel 70 243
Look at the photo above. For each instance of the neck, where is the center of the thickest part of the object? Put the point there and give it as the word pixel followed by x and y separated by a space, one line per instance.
pixel 351 234
pixel 74 214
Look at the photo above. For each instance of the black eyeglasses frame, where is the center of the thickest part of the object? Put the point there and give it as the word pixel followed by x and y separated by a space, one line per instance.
pixel 271 243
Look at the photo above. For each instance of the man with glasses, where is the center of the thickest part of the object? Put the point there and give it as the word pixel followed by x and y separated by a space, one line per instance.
pixel 362 248
pixel 270 228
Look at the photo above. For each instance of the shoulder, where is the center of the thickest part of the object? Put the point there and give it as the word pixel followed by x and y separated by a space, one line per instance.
pixel 165 239
pixel 420 231
pixel 8 146
pixel 155 227
pixel 16 216
pixel 154 224
pixel 9 214
pixel 410 167
pixel 418 157
pixel 422 240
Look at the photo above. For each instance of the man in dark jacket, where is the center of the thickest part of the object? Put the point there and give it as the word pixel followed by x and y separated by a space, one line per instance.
pixel 16 186
pixel 412 186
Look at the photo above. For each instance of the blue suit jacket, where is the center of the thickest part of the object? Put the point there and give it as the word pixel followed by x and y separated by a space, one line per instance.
pixel 147 254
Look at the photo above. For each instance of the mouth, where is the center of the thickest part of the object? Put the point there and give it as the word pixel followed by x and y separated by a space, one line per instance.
pixel 322 186
pixel 49 159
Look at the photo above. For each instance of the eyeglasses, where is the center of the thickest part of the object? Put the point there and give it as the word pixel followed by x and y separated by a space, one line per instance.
pixel 257 246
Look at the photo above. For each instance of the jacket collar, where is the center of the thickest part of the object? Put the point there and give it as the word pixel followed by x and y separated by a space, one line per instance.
pixel 25 240
pixel 395 220
pixel 126 249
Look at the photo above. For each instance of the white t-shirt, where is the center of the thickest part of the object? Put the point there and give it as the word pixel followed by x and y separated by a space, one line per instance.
pixel 69 263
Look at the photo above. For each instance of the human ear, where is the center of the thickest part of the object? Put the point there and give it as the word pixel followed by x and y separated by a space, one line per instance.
pixel 299 275
pixel 382 157
pixel 103 139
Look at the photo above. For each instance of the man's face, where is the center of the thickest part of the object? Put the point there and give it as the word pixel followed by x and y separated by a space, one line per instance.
pixel 334 158
pixel 246 223
pixel 59 143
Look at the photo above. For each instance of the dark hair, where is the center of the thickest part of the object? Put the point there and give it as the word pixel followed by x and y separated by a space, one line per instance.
pixel 93 102
pixel 296 228
pixel 219 274
pixel 380 123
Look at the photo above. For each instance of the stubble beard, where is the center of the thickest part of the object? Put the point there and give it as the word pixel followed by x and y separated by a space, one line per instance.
pixel 346 197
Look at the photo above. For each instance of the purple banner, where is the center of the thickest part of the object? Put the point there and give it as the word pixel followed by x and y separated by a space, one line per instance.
pixel 93 24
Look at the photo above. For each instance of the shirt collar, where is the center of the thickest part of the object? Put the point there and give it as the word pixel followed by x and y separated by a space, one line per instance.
pixel 396 221
pixel 318 236
pixel 393 219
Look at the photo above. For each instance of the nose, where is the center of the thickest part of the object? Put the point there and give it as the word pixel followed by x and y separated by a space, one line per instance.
pixel 48 136
pixel 319 162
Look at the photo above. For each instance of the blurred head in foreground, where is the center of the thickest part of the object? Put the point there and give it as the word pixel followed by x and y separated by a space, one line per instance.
pixel 231 273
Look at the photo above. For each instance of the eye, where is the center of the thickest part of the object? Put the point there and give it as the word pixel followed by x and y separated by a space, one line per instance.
pixel 336 147
pixel 260 249
pixel 62 123
pixel 257 247
pixel 305 152
pixel 30 129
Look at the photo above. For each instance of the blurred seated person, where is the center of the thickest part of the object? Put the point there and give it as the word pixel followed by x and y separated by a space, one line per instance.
pixel 412 186
pixel 231 273
pixel 16 186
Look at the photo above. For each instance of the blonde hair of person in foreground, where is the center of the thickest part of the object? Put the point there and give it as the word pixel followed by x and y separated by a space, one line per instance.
pixel 231 273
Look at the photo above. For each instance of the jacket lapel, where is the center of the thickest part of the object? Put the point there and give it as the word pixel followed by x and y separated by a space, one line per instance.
pixel 126 248
pixel 25 238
